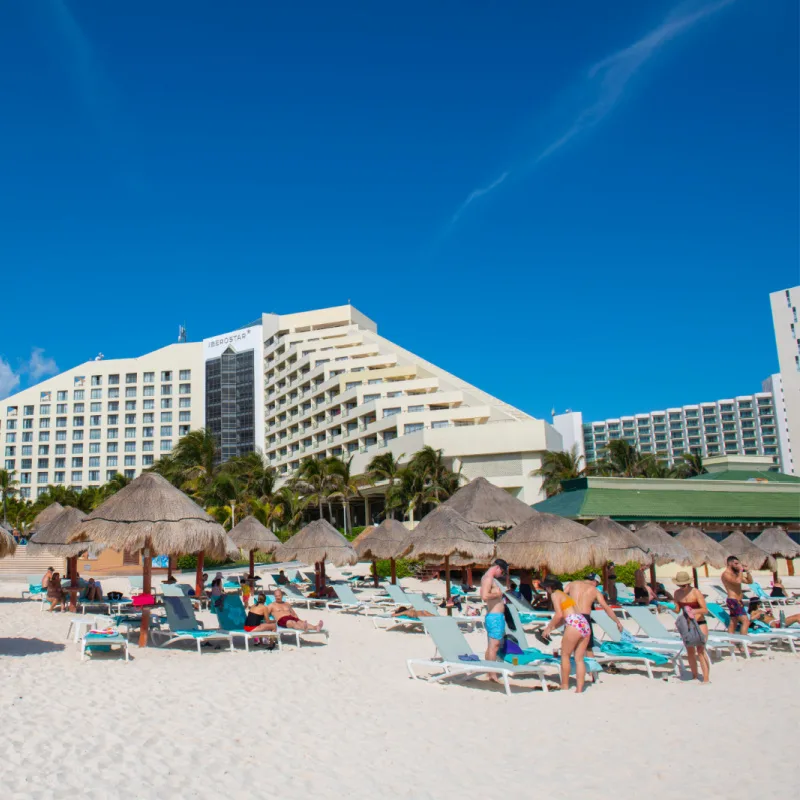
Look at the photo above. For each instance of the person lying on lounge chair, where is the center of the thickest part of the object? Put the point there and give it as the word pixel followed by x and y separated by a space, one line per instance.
pixel 258 617
pixel 759 614
pixel 286 617
pixel 407 611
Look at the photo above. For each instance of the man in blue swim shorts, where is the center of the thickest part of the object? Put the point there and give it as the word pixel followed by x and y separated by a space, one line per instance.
pixel 495 619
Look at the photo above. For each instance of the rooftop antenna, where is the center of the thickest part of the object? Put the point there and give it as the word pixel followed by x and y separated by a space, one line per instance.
pixel 99 357
pixel 182 333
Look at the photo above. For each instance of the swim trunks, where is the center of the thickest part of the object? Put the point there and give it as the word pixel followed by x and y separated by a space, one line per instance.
pixel 735 608
pixel 283 621
pixel 495 626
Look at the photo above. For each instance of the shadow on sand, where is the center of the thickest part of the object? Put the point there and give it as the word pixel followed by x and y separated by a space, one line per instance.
pixel 28 647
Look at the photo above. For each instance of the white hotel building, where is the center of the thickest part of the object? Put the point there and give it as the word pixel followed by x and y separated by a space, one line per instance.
pixel 312 384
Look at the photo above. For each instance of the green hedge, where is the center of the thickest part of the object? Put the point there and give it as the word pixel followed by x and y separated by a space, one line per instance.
pixel 185 563
pixel 404 568
pixel 625 573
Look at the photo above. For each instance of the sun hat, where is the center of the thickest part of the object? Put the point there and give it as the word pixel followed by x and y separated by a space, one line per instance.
pixel 683 578
pixel 499 562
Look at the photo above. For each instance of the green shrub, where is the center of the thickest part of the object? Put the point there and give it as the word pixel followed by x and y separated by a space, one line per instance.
pixel 189 562
pixel 404 568
pixel 625 573
pixel 353 533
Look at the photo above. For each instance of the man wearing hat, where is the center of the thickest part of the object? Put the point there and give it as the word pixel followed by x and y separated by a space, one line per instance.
pixel 585 594
pixel 495 620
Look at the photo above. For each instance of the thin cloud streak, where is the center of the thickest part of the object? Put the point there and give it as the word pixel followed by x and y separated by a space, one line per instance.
pixel 605 84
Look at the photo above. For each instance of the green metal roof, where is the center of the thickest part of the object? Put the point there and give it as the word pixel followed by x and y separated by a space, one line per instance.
pixel 747 475
pixel 581 500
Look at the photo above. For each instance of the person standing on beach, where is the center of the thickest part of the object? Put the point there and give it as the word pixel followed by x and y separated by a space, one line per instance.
pixel 732 579
pixel 585 594
pixel 495 620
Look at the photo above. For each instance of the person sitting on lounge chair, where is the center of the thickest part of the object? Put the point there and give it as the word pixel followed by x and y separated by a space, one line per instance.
pixel 47 577
pixel 286 617
pixel 92 592
pixel 759 614
pixel 281 578
pixel 55 594
pixel 258 617
pixel 778 589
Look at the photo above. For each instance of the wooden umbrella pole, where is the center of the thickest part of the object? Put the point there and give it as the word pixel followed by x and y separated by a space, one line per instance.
pixel 774 576
pixel 322 579
pixel 606 581
pixel 199 586
pixel 696 579
pixel 72 569
pixel 252 566
pixel 469 576
pixel 394 571
pixel 375 572
pixel 790 566
pixel 705 568
pixel 447 585
pixel 653 583
pixel 170 567
pixel 147 588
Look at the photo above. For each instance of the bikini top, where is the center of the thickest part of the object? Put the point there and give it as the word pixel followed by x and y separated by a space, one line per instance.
pixel 567 602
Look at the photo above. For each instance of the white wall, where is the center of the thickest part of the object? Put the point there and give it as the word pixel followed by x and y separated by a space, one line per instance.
pixel 786 321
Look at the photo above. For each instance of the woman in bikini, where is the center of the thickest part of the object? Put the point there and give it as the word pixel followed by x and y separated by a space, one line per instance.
pixel 686 596
pixel 258 617
pixel 759 614
pixel 575 639
pixel 55 594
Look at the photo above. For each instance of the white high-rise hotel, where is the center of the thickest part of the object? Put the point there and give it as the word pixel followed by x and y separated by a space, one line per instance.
pixel 317 383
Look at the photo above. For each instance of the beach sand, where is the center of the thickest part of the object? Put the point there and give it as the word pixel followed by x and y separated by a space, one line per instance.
pixel 345 719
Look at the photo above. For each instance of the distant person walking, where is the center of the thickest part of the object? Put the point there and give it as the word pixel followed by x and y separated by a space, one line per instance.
pixel 495 620
pixel 732 579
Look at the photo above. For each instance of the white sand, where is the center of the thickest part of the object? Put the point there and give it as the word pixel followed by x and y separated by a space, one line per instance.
pixel 344 719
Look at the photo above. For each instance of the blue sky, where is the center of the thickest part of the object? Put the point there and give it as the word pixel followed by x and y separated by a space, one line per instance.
pixel 573 205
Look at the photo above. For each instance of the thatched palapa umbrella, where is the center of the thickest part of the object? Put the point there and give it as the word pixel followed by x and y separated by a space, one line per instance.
pixel 445 533
pixel 251 535
pixel 366 532
pixel 391 539
pixel 315 544
pixel 622 546
pixel 46 515
pixel 8 544
pixel 778 544
pixel 750 554
pixel 550 543
pixel 488 506
pixel 151 515
pixel 702 549
pixel 54 538
pixel 663 548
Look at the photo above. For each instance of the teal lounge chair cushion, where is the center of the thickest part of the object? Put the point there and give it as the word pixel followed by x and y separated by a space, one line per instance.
pixel 626 649
pixel 532 654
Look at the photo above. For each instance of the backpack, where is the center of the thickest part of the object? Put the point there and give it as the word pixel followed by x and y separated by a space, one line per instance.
pixel 689 630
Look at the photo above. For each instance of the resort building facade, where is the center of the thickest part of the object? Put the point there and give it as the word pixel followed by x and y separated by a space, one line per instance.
pixel 787 339
pixel 311 384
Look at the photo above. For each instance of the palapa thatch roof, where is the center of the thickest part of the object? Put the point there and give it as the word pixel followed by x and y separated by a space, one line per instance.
pixel 54 536
pixel 151 512
pixel 702 549
pixel 44 516
pixel 444 533
pixel 750 554
pixel 318 541
pixel 664 549
pixel 391 539
pixel 622 545
pixel 488 506
pixel 777 542
pixel 250 534
pixel 555 543
pixel 366 532
pixel 8 544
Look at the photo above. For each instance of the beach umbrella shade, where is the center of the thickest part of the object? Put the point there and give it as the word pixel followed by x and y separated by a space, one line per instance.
pixel 48 514
pixel 749 553
pixel 622 546
pixel 390 540
pixel 152 516
pixel 54 538
pixel 444 534
pixel 366 532
pixel 702 549
pixel 663 548
pixel 251 535
pixel 317 543
pixel 550 543
pixel 488 506
pixel 8 544
pixel 778 544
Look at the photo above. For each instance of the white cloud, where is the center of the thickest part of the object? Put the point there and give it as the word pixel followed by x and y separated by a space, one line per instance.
pixel 604 85
pixel 9 380
pixel 39 365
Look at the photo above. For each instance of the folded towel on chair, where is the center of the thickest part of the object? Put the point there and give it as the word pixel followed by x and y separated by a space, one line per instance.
pixel 469 657
pixel 626 649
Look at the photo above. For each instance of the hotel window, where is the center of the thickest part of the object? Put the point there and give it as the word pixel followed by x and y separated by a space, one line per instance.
pixel 94 433
pixel 149 377
pixel 130 405
pixel 390 412
pixel 166 430
pixel 76 477
pixel 183 430
pixel 11 425
pixel 112 447
pixel 43 463
pixel 113 406
pixel 10 464
pixel 61 436
pixel 415 409
pixel 28 437
pixel 61 463
pixel 130 377
pixel 94 461
pixel 130 473
pixel 77 435
pixel 130 461
pixel 77 449
pixel 185 375
pixel 94 447
pixel 147 447
pixel 166 376
pixel 130 433
pixel 77 422
pixel 111 461
pixel 61 408
pixel 185 416
pixel 77 462
pixel 44 411
pixel 44 422
pixel 95 420
pixel 130 391
pixel 166 402
pixel 78 394
pixel 130 447
pixel 147 461
pixel 186 402
pixel 113 419
pixel 148 432
pixel 58 477
pixel 185 388
pixel 110 474
pixel 97 380
pixel 10 451
pixel 166 416
pixel 112 433
pixel 27 450
pixel 368 398
pixel 148 404
pixel 166 388
pixel 61 395
pixel 96 394
pixel 113 380
pixel 96 408
pixel 149 391
pixel 27 411
pixel 412 427
pixel 130 419
pixel 440 424
pixel 27 463
pixel 44 449
pixel 166 445
pixel 41 477
pixel 113 393
pixel 61 449
pixel 27 424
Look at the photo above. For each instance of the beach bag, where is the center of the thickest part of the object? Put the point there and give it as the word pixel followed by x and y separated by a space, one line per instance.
pixel 143 600
pixel 689 630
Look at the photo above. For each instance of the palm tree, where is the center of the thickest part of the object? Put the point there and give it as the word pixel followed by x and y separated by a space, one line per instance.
pixel 557 466
pixel 315 482
pixel 8 487
pixel 690 466
pixel 116 483
pixel 90 498
pixel 622 460
pixel 385 467
pixel 192 464
pixel 345 485
pixel 656 468
pixel 292 505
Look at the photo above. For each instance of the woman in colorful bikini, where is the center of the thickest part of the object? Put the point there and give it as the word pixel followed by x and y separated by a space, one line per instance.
pixel 575 639
pixel 686 596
